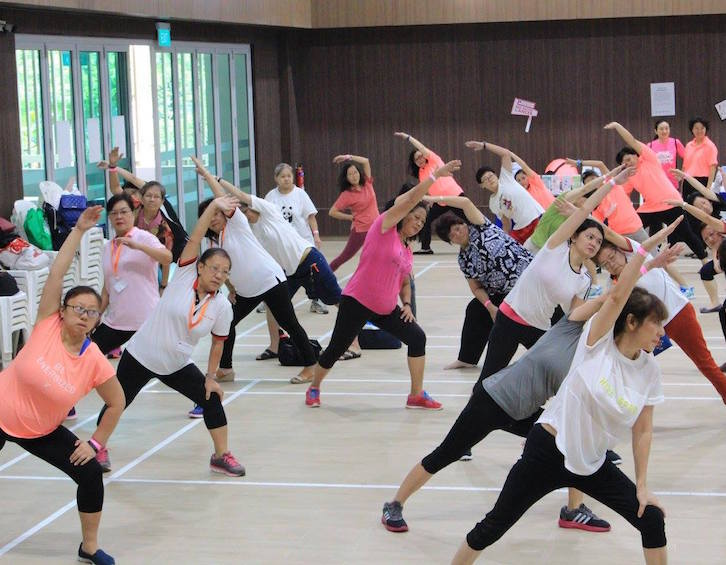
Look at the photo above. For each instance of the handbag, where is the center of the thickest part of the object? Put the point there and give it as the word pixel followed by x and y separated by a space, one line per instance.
pixel 290 356
pixel 37 230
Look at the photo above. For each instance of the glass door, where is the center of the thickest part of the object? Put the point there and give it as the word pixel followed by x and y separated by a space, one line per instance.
pixel 32 139
pixel 207 129
pixel 93 130
pixel 62 115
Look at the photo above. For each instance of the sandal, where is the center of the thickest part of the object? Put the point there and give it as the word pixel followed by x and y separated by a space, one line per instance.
pixel 705 310
pixel 348 355
pixel 266 354
pixel 298 380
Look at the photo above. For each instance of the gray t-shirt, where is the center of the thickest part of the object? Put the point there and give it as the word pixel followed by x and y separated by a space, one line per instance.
pixel 522 387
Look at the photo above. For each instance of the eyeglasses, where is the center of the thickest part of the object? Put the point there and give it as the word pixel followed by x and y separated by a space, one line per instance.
pixel 217 270
pixel 80 310
pixel 117 213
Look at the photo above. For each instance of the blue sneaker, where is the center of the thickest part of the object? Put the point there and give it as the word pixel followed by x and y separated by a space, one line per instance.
pixel 98 558
pixel 196 412
pixel 688 291
pixel 664 344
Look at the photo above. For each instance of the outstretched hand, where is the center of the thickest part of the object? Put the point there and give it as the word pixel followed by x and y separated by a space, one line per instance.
pixel 89 218
pixel 667 255
pixel 201 170
pixel 226 203
pixel 338 159
pixel 402 134
pixel 612 125
pixel 448 169
pixel 623 175
pixel 475 145
pixel 565 207
pixel 662 234
pixel 680 175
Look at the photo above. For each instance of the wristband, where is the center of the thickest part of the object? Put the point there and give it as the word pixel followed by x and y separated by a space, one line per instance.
pixel 487 304
pixel 219 179
pixel 578 164
pixel 643 270
pixel 432 177
pixel 95 445
pixel 316 232
pixel 407 304
pixel 611 182
pixel 112 169
pixel 642 251
pixel 349 157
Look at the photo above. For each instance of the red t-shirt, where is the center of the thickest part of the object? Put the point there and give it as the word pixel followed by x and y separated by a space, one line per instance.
pixel 361 201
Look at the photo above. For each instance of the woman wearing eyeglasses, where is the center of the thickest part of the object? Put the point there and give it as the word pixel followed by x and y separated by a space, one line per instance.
pixel 57 367
pixel 190 309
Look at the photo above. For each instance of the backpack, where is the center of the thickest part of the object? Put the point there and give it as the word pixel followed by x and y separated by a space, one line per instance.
pixel 37 230
pixel 290 356
pixel 51 216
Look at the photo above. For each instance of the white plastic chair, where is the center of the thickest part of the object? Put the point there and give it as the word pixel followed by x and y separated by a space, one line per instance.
pixel 13 319
pixel 32 284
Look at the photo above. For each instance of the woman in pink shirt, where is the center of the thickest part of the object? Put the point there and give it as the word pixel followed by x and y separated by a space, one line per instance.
pixel 357 195
pixel 701 156
pixel 422 162
pixel 667 149
pixel 372 294
pixel 57 367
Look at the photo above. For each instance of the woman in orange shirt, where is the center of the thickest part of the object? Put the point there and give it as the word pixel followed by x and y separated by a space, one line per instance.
pixel 701 158
pixel 58 366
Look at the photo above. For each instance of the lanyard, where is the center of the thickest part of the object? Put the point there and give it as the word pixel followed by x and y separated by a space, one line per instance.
pixel 116 248
pixel 191 323
pixel 221 236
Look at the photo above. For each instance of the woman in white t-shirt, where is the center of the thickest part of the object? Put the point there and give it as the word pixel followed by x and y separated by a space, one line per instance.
pixel 556 277
pixel 608 396
pixel 190 309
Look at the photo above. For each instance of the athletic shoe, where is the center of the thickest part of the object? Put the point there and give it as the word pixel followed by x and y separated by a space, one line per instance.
pixel 688 291
pixel 224 375
pixel 392 518
pixel 595 290
pixel 196 412
pixel 261 309
pixel 72 414
pixel 103 459
pixel 663 344
pixel 467 456
pixel 227 464
pixel 423 401
pixel 424 252
pixel 312 397
pixel 613 457
pixel 582 518
pixel 317 307
pixel 99 558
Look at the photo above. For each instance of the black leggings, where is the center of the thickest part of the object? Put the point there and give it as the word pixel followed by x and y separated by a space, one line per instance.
pixel 188 380
pixel 541 470
pixel 481 416
pixel 708 271
pixel 478 324
pixel 434 212
pixel 653 222
pixel 505 337
pixel 56 448
pixel 352 316
pixel 109 339
pixel 280 306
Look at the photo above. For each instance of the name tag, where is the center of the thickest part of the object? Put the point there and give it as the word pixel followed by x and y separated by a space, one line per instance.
pixel 119 285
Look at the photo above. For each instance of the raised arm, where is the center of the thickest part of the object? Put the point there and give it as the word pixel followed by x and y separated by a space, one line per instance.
pixel 224 204
pixel 711 175
pixel 568 227
pixel 209 178
pixel 522 163
pixel 590 186
pixel 50 300
pixel 502 152
pixel 589 163
pixel 114 171
pixel 241 195
pixel 715 223
pixel 405 203
pixel 415 142
pixel 472 213
pixel 626 135
pixel 615 300
pixel 363 161
pixel 705 192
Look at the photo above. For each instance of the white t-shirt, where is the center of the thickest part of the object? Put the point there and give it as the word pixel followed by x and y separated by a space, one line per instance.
pixel 600 400
pixel 514 202
pixel 131 278
pixel 546 282
pixel 278 236
pixel 295 206
pixel 254 270
pixel 165 342
pixel 659 283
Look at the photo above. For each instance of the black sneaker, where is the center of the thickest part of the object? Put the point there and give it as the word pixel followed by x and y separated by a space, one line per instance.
pixel 582 518
pixel 467 456
pixel 392 518
pixel 424 252
pixel 613 457
pixel 99 558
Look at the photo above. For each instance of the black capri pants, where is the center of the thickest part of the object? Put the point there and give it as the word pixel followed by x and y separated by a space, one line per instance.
pixel 540 470
pixel 278 302
pixel 108 338
pixel 352 316
pixel 478 325
pixel 481 416
pixel 653 222
pixel 188 380
pixel 707 271
pixel 56 448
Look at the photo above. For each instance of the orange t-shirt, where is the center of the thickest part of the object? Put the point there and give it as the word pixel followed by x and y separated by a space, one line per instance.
pixel 652 183
pixel 45 381
pixel 699 158
pixel 539 191
pixel 444 186
pixel 618 210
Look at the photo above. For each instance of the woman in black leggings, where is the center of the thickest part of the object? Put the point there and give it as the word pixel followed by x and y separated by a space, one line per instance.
pixel 55 369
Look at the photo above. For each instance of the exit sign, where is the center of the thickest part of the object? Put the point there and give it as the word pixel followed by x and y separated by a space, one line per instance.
pixel 163 34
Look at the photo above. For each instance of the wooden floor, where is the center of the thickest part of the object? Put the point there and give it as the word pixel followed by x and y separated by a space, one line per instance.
pixel 316 479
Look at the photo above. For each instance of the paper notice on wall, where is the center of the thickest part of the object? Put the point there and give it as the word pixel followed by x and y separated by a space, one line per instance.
pixel 118 133
pixel 662 99
pixel 721 109
pixel 93 131
pixel 63 144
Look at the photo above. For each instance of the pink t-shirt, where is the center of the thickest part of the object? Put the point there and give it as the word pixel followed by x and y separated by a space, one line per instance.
pixel 384 264
pixel 667 153
pixel 131 280
pixel 700 158
pixel 361 201
pixel 618 210
pixel 539 191
pixel 652 183
pixel 444 186
pixel 45 381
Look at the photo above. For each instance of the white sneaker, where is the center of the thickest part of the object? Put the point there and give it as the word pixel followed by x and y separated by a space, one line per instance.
pixel 261 309
pixel 317 307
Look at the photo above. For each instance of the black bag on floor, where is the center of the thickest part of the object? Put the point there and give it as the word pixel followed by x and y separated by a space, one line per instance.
pixel 290 356
pixel 8 285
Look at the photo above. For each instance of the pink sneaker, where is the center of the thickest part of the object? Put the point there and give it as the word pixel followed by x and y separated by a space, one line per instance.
pixel 312 397
pixel 227 465
pixel 423 401
pixel 104 460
